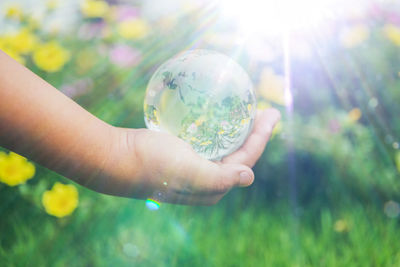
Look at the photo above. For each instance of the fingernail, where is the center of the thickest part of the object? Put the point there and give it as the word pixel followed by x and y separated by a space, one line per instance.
pixel 275 113
pixel 245 179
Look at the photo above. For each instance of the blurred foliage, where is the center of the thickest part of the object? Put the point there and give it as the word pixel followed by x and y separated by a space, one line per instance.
pixel 327 187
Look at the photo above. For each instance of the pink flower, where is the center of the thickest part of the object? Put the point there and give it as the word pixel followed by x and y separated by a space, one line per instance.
pixel 126 12
pixel 124 56
pixel 77 88
pixel 378 12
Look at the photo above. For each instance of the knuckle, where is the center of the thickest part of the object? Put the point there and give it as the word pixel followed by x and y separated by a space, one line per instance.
pixel 222 186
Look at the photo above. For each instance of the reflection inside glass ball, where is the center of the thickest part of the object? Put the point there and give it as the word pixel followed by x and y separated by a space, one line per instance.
pixel 204 98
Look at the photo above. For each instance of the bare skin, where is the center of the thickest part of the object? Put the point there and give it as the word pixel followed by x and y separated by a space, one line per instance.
pixel 39 122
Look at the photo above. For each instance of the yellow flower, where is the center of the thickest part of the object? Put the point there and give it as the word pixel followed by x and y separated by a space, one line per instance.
pixel 24 41
pixel 354 35
pixel 15 169
pixel 15 45
pixel 6 45
pixel 354 114
pixel 221 132
pixel 133 28
pixel 397 159
pixel 199 121
pixel 94 8
pixel 271 87
pixel 341 226
pixel 245 121
pixel 194 139
pixel 392 33
pixel 14 12
pixel 206 143
pixel 52 4
pixel 50 57
pixel 11 53
pixel 61 200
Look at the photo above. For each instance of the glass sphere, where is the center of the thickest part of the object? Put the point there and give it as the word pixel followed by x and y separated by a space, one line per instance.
pixel 204 98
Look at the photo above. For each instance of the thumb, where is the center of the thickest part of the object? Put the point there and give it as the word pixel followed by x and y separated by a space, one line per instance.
pixel 236 175
pixel 212 177
pixel 219 178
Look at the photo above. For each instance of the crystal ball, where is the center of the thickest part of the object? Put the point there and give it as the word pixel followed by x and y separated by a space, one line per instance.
pixel 204 98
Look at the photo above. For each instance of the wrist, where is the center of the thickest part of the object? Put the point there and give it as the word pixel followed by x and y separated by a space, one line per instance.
pixel 86 154
pixel 119 168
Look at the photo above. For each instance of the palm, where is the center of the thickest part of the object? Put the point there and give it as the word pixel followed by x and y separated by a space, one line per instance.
pixel 172 172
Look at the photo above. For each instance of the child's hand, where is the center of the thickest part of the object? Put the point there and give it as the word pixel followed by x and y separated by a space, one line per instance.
pixel 145 163
pixel 39 122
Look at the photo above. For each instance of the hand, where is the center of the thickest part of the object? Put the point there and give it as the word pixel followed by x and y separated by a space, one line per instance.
pixel 149 164
pixel 57 133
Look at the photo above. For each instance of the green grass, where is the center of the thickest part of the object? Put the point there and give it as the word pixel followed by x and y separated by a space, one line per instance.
pixel 106 231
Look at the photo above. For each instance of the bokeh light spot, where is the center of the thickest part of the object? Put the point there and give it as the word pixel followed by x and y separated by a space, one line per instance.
pixel 391 209
pixel 152 204
pixel 373 102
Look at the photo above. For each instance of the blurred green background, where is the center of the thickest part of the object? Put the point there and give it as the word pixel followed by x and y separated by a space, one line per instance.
pixel 327 187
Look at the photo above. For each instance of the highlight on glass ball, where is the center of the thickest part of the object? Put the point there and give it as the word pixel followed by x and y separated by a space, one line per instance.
pixel 204 98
